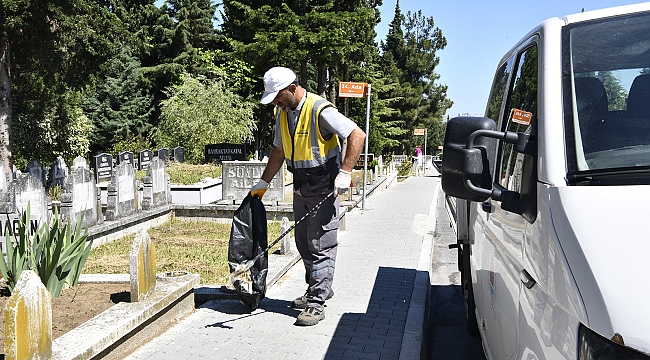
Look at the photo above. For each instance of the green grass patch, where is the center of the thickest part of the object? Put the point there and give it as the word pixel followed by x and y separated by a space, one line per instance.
pixel 200 247
pixel 188 174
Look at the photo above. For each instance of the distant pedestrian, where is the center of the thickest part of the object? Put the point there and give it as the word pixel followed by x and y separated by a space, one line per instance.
pixel 307 132
pixel 417 160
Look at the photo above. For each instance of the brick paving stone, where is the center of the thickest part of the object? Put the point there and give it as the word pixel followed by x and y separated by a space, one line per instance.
pixel 378 259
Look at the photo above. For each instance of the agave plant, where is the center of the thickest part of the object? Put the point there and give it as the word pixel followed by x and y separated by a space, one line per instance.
pixel 57 253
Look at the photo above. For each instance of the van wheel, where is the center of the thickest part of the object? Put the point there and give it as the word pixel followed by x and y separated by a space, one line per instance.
pixel 468 293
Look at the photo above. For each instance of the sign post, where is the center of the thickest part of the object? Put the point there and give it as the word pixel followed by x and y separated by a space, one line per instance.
pixel 424 158
pixel 360 90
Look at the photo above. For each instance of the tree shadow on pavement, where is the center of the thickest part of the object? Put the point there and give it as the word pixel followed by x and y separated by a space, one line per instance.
pixel 377 333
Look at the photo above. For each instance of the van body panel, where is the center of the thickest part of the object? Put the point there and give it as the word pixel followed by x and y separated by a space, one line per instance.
pixel 558 252
pixel 552 157
pixel 613 226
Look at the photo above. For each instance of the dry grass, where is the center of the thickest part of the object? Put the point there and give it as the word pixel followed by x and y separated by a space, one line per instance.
pixel 200 247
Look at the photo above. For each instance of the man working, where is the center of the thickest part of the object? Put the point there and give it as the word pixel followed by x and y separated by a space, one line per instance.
pixel 307 129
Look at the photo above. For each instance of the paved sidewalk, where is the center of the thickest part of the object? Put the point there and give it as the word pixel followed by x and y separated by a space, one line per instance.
pixel 378 310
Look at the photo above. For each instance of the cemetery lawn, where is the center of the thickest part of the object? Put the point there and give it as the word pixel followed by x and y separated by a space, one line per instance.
pixel 196 246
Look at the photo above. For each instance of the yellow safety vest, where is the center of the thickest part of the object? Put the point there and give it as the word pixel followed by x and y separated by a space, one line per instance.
pixel 306 147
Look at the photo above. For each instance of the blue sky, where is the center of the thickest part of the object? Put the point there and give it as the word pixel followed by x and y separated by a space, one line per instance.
pixel 478 34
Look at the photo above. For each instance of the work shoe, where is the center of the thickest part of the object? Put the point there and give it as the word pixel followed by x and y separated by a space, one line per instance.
pixel 301 302
pixel 310 316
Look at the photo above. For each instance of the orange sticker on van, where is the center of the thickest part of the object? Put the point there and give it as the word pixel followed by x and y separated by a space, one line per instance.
pixel 520 116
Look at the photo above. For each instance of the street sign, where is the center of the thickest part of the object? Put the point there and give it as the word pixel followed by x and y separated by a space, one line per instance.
pixel 352 89
pixel 418 131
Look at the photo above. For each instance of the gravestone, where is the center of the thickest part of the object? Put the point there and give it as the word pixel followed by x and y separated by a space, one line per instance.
pixel 122 193
pixel 178 154
pixel 285 243
pixel 103 165
pixel 80 196
pixel 163 154
pixel 57 173
pixel 157 190
pixel 144 159
pixel 239 176
pixel 30 190
pixel 125 157
pixel 7 194
pixel 142 266
pixel 35 169
pixel 361 160
pixel 225 152
pixel 28 320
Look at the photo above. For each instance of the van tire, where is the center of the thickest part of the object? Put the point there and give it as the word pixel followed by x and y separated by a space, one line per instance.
pixel 468 293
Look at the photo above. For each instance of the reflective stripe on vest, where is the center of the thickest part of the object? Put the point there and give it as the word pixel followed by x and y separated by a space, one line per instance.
pixel 307 148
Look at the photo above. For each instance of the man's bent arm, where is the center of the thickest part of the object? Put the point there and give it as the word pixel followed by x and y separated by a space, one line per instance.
pixel 276 158
pixel 353 150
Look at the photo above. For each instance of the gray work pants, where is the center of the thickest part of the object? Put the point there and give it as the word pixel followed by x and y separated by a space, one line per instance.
pixel 317 243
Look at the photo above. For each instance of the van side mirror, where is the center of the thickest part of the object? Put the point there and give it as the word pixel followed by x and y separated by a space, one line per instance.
pixel 460 163
pixel 470 144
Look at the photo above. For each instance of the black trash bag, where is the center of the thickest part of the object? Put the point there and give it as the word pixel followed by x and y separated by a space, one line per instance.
pixel 248 237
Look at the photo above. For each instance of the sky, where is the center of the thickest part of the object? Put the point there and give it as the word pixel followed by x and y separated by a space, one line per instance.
pixel 478 34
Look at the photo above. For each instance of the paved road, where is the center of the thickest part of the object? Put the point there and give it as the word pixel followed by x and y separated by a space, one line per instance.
pixel 447 336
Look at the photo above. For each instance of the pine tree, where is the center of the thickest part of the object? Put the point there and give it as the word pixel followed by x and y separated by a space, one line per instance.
pixel 119 106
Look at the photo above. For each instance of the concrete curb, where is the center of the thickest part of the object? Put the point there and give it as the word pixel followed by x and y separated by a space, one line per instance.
pixel 414 342
pixel 125 326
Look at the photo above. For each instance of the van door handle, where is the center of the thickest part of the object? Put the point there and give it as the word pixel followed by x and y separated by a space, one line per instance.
pixel 487 206
pixel 526 279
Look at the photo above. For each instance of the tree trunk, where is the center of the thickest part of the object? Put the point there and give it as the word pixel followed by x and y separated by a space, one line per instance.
pixel 322 81
pixel 5 106
pixel 303 73
pixel 332 85
pixel 346 104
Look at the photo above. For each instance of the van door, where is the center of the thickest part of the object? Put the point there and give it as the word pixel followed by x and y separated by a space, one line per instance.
pixel 505 231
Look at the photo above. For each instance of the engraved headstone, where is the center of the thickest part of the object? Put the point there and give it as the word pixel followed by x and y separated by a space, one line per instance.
pixel 178 153
pixel 103 165
pixel 156 191
pixel 225 152
pixel 122 192
pixel 28 319
pixel 57 173
pixel 239 176
pixel 80 197
pixel 144 159
pixel 142 265
pixel 163 154
pixel 35 169
pixel 125 157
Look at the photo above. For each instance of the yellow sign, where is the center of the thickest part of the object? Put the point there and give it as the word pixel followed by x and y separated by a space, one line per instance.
pixel 418 131
pixel 352 89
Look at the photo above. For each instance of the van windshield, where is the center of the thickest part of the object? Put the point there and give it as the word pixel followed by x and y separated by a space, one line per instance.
pixel 610 89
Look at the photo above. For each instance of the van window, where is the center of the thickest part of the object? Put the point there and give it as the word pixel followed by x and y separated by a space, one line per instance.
pixel 522 112
pixel 608 120
pixel 498 92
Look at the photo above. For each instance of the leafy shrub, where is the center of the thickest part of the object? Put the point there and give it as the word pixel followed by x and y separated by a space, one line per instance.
pixel 55 192
pixel 57 253
pixel 405 168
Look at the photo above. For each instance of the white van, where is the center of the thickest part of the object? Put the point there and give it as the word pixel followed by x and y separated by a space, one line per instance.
pixel 553 193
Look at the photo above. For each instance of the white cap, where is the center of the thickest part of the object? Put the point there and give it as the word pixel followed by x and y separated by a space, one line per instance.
pixel 276 79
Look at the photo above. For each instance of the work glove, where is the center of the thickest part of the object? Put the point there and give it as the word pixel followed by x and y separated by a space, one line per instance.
pixel 342 182
pixel 259 189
